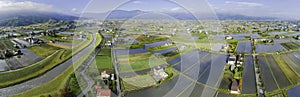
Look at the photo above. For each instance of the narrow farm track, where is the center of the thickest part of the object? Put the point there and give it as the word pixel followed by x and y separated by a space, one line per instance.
pixel 50 75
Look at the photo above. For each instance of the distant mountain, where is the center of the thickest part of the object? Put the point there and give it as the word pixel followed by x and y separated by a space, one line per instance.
pixel 243 17
pixel 123 14
pixel 115 14
pixel 28 18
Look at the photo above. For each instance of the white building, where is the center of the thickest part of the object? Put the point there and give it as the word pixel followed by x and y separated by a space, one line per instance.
pixel 159 74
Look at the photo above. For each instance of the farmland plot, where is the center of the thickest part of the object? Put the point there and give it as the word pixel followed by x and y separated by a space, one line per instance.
pixel 276 33
pixel 294 92
pixel 178 59
pixel 298 43
pixel 172 87
pixel 261 48
pixel 25 43
pixel 284 40
pixel 269 81
pixel 236 36
pixel 65 44
pixel 244 47
pixel 292 61
pixel 187 62
pixel 130 51
pixel 199 69
pixel 103 59
pixel 243 36
pixel 28 58
pixel 290 45
pixel 212 74
pixel 3 66
pixel 180 86
pixel 295 34
pixel 193 60
pixel 43 50
pixel 196 90
pixel 13 63
pixel 137 62
pixel 165 51
pixel 137 82
pixel 295 57
pixel 155 44
pixel 248 86
pixel 6 44
pixel 278 74
pixel 287 70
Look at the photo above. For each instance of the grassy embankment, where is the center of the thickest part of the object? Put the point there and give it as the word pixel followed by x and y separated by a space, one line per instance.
pixel 53 87
pixel 37 69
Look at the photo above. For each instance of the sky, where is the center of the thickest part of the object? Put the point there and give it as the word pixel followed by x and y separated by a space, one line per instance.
pixel 272 8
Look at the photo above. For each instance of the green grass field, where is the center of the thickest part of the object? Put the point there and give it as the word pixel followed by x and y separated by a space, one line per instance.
pixel 58 38
pixel 136 62
pixel 43 50
pixel 137 82
pixel 103 59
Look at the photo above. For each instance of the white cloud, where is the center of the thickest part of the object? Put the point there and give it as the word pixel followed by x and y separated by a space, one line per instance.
pixel 11 5
pixel 176 9
pixel 251 4
pixel 172 9
pixel 137 2
pixel 74 10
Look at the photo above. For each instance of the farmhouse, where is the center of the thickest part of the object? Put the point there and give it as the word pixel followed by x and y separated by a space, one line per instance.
pixel 298 37
pixel 33 40
pixel 108 43
pixel 159 74
pixel 228 37
pixel 104 75
pixel 267 40
pixel 231 60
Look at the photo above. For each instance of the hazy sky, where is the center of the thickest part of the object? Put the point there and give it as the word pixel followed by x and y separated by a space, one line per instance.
pixel 274 8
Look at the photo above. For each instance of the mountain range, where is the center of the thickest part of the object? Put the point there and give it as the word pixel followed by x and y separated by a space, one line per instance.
pixel 123 14
pixel 24 18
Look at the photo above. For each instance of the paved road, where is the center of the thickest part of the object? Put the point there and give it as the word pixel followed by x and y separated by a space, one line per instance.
pixel 89 82
pixel 50 75
pixel 115 63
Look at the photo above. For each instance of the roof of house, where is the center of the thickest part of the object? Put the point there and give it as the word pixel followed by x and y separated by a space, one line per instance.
pixel 102 92
pixel 234 85
pixel 97 87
